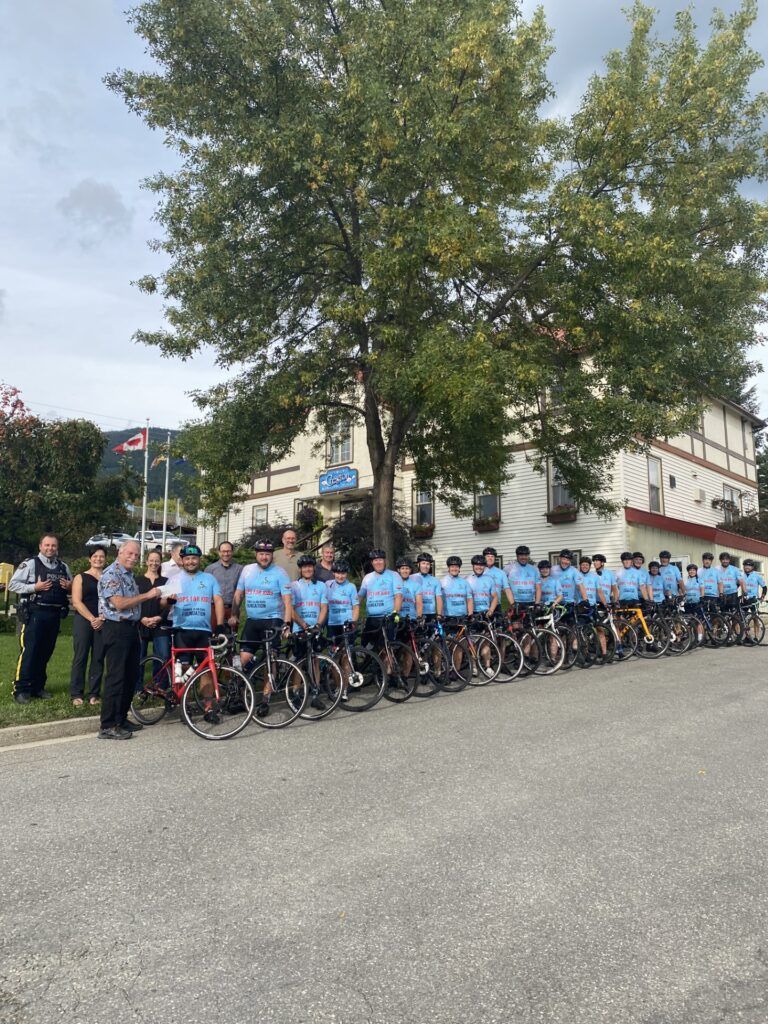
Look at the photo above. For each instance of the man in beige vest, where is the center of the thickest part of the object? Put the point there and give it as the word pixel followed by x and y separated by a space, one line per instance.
pixel 288 556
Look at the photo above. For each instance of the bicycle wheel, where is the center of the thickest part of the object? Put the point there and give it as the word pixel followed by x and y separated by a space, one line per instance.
pixel 364 678
pixel 459 661
pixel 218 710
pixel 679 636
pixel 589 646
pixel 606 636
pixel 486 658
pixel 280 699
pixel 718 631
pixel 511 658
pixel 655 642
pixel 432 666
pixel 402 672
pixel 754 629
pixel 570 640
pixel 551 652
pixel 626 639
pixel 152 703
pixel 325 688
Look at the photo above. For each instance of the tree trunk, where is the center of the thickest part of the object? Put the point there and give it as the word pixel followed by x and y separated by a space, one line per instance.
pixel 383 497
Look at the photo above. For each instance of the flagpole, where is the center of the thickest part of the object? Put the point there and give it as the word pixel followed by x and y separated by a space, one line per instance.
pixel 146 488
pixel 167 478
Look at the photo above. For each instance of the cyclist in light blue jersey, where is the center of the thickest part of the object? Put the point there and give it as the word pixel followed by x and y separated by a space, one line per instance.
pixel 673 578
pixel 310 609
pixel 730 577
pixel 709 577
pixel 413 604
pixel 607 577
pixel 566 572
pixel 524 579
pixel 457 593
pixel 383 593
pixel 630 582
pixel 195 603
pixel 694 594
pixel 551 587
pixel 588 582
pixel 485 597
pixel 638 560
pixel 429 585
pixel 656 582
pixel 498 575
pixel 343 601
pixel 753 584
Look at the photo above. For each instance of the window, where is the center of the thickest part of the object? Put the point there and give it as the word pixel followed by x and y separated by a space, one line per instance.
pixel 559 496
pixel 423 507
pixel 222 531
pixel 655 497
pixel 259 515
pixel 340 446
pixel 487 505
pixel 299 504
pixel 731 503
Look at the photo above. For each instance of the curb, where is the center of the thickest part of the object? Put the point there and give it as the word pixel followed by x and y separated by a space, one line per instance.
pixel 13 735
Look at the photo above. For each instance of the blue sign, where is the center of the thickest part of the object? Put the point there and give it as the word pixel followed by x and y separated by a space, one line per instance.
pixel 343 479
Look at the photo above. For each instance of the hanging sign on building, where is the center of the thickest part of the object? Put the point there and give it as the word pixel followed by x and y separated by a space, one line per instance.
pixel 343 479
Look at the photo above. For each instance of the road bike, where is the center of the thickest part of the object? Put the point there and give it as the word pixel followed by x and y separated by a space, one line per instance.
pixel 363 673
pixel 281 686
pixel 323 674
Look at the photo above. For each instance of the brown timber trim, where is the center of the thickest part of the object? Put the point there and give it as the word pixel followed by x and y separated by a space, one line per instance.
pixel 705 462
pixel 277 472
pixel 685 529
pixel 275 490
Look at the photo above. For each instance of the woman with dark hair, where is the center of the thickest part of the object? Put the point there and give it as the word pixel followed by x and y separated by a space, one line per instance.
pixel 152 615
pixel 87 638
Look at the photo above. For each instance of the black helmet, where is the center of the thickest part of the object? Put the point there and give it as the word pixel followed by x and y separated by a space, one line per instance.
pixel 665 554
pixel 453 560
pixel 599 558
pixel 748 561
pixel 545 564
pixel 491 551
pixel 691 566
pixel 585 558
pixel 191 549
pixel 303 560
pixel 477 560
pixel 401 562
pixel 377 553
pixel 724 554
pixel 522 549
pixel 341 565
pixel 424 557
pixel 625 555
pixel 638 554
pixel 565 553
pixel 707 554
pixel 654 564
pixel 264 545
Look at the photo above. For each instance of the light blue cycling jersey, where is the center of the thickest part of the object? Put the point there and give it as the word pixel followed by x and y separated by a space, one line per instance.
pixel 499 578
pixel 264 591
pixel 708 578
pixel 309 599
pixel 657 587
pixel 590 581
pixel 456 593
pixel 342 598
pixel 567 578
pixel 551 589
pixel 523 580
pixel 628 582
pixel 194 601
pixel 483 589
pixel 645 576
pixel 607 579
pixel 410 590
pixel 430 590
pixel 753 583
pixel 730 578
pixel 671 576
pixel 692 589
pixel 379 590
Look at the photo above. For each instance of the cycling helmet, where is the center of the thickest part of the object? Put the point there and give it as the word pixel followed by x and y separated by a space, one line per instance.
pixel 707 554
pixel 638 554
pixel 401 562
pixel 491 551
pixel 424 557
pixel 691 566
pixel 625 556
pixel 340 566
pixel 545 564
pixel 377 553
pixel 264 545
pixel 453 560
pixel 653 564
pixel 522 549
pixel 748 561
pixel 191 549
pixel 565 553
pixel 599 558
pixel 724 554
pixel 477 560
pixel 665 554
pixel 303 560
pixel 585 560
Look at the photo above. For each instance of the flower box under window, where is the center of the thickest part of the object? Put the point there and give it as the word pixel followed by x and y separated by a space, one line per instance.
pixel 486 524
pixel 562 514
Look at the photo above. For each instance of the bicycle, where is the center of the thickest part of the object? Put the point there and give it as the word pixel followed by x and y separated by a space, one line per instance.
pixel 285 687
pixel 484 653
pixel 543 649
pixel 399 665
pixel 363 672
pixel 323 675
pixel 429 659
pixel 652 632
pixel 216 700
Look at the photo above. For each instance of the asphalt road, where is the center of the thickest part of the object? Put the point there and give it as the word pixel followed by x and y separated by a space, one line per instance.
pixel 585 848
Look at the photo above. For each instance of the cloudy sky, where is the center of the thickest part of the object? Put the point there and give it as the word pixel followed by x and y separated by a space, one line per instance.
pixel 76 221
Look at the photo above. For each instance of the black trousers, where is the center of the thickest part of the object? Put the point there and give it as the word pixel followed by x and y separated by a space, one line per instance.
pixel 37 640
pixel 122 650
pixel 86 641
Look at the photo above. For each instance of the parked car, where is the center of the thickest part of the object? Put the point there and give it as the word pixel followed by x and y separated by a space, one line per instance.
pixel 120 538
pixel 153 536
pixel 102 540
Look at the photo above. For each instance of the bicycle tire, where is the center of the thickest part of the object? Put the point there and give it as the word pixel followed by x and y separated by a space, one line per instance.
pixel 329 687
pixel 655 644
pixel 366 680
pixel 401 673
pixel 589 645
pixel 570 641
pixel 459 665
pixel 432 667
pixel 486 658
pixel 679 636
pixel 289 692
pixel 511 658
pixel 148 705
pixel 223 712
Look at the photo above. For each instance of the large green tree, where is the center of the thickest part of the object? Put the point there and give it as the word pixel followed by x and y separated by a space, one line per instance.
pixel 373 218
pixel 49 480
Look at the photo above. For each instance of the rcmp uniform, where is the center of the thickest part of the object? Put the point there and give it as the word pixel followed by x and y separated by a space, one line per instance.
pixel 41 613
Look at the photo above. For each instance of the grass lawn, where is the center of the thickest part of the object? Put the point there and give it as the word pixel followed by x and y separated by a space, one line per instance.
pixel 58 684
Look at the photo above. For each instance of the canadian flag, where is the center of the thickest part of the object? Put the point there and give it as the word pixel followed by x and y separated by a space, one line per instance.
pixel 137 443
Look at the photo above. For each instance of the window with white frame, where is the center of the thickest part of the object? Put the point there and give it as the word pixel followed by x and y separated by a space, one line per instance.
pixel 559 495
pixel 222 531
pixel 339 450
pixel 487 504
pixel 259 515
pixel 655 489
pixel 423 506
pixel 731 503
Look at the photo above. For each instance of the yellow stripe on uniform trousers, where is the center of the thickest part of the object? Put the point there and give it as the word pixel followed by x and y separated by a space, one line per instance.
pixel 21 655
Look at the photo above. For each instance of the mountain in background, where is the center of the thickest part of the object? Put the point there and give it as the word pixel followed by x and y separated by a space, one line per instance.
pixel 110 462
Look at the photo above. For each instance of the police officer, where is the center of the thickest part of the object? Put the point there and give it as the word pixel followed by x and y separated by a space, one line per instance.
pixel 43 584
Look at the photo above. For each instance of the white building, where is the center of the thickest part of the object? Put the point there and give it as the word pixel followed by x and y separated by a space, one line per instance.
pixel 667 495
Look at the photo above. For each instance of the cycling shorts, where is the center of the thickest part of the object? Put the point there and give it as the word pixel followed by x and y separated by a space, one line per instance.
pixel 192 638
pixel 256 630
